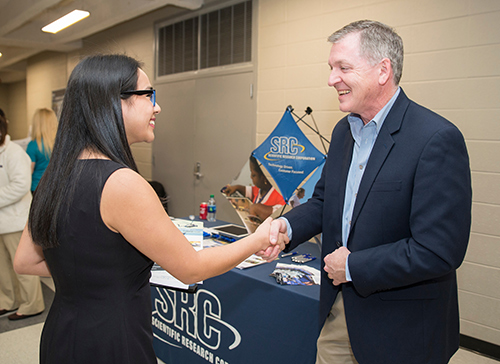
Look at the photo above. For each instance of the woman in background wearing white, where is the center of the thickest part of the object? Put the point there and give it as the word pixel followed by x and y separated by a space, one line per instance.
pixel 17 292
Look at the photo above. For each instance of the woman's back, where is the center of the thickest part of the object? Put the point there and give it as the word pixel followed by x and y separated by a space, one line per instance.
pixel 102 307
pixel 40 159
pixel 44 128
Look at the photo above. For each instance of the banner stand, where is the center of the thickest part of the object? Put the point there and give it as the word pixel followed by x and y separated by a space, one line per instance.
pixel 308 111
pixel 288 156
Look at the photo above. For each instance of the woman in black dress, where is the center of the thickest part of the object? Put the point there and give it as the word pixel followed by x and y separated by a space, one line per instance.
pixel 96 225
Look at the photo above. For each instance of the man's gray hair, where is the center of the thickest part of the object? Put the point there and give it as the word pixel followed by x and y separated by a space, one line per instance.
pixel 377 41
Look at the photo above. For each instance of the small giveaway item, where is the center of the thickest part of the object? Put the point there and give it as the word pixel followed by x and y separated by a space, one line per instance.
pixel 303 258
pixel 296 275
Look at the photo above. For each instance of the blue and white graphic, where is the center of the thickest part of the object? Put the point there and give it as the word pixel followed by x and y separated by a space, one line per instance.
pixel 288 155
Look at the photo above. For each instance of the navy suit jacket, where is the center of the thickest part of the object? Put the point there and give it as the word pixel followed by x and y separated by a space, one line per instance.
pixel 409 234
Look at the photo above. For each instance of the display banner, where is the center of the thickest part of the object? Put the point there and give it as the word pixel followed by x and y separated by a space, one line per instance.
pixel 288 155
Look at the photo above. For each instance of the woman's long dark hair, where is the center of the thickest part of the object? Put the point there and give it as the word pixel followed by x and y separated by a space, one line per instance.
pixel 91 119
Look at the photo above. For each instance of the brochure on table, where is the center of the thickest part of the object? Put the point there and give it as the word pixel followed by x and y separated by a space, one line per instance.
pixel 242 205
pixel 296 275
pixel 193 231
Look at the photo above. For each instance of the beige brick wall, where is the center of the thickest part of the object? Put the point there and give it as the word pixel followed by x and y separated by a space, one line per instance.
pixel 452 65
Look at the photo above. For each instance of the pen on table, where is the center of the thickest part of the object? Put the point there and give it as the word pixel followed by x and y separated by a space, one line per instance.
pixel 288 254
pixel 218 237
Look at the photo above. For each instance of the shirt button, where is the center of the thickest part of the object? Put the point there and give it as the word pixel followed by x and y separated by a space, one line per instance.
pixel 360 166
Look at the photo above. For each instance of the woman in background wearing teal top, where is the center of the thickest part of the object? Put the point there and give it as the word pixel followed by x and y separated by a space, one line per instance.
pixel 43 133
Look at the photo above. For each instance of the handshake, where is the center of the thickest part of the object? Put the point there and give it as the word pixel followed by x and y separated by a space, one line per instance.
pixel 272 234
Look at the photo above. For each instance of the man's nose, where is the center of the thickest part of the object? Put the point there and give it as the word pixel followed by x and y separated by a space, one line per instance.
pixel 334 78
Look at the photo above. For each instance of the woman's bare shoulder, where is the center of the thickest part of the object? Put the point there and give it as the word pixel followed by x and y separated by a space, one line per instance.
pixel 126 193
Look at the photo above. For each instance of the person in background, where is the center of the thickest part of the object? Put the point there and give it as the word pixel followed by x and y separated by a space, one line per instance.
pixel 394 206
pixel 265 198
pixel 43 133
pixel 161 192
pixel 96 226
pixel 17 292
pixel 298 195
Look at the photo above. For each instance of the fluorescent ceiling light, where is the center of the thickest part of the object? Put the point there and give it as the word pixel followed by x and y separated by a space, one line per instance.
pixel 66 21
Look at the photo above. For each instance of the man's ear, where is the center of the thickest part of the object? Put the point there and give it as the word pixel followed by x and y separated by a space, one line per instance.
pixel 385 71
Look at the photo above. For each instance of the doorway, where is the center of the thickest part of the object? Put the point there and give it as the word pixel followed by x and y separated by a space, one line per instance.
pixel 204 136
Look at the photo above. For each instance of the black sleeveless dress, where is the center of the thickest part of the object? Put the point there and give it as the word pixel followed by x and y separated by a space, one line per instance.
pixel 101 312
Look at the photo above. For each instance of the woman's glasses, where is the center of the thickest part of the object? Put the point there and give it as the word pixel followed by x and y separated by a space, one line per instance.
pixel 151 94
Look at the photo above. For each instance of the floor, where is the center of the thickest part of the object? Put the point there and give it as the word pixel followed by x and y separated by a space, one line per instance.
pixel 20 346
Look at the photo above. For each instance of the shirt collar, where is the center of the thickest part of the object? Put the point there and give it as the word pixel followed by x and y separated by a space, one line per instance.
pixel 379 119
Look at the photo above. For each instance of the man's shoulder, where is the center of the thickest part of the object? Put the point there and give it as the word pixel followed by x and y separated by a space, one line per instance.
pixel 411 111
pixel 427 117
pixel 420 124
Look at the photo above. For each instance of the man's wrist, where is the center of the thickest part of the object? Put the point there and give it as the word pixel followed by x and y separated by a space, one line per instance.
pixel 288 227
pixel 347 272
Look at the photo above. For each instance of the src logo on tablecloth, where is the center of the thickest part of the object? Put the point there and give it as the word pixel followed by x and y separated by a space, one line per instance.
pixel 193 321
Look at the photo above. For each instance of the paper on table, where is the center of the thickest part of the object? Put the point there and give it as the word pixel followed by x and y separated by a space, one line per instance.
pixel 251 261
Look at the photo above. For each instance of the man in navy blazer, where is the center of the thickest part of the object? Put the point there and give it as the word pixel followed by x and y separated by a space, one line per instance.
pixel 394 207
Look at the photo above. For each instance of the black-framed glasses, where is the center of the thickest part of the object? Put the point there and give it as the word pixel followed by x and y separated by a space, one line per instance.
pixel 151 93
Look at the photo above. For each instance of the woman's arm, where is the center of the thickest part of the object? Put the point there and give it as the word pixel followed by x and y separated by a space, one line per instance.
pixel 228 190
pixel 261 210
pixel 29 257
pixel 131 207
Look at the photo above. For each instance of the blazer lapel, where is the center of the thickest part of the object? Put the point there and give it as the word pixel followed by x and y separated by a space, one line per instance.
pixel 380 151
pixel 347 150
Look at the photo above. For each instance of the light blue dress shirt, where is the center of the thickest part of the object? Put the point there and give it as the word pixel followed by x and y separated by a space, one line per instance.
pixel 364 136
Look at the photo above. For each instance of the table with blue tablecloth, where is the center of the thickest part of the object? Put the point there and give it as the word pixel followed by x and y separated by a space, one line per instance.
pixel 242 316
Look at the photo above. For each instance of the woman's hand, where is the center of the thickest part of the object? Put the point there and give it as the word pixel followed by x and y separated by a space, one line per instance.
pixel 273 238
pixel 228 190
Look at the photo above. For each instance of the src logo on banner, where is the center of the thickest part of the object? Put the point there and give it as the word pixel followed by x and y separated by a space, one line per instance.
pixel 284 145
pixel 192 319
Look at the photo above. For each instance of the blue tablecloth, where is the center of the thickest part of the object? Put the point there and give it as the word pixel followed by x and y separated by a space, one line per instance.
pixel 242 316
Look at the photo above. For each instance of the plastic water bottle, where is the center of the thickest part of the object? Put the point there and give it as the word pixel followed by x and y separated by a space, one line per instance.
pixel 211 209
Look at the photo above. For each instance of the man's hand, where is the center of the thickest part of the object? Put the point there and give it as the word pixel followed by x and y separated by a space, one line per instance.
pixel 278 238
pixel 335 265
